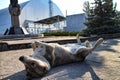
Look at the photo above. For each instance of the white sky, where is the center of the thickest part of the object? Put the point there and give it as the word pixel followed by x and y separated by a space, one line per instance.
pixel 71 6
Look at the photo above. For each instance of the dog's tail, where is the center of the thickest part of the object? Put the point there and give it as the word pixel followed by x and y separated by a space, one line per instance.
pixel 78 39
pixel 98 42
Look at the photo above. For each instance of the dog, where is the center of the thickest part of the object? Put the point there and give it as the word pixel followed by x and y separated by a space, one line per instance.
pixel 48 55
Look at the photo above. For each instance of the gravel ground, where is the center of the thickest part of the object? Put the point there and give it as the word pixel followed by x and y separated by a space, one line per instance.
pixel 103 64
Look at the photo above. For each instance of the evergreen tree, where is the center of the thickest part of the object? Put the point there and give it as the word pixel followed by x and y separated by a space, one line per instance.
pixel 101 17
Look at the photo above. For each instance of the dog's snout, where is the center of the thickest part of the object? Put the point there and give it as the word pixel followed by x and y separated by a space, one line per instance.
pixel 21 58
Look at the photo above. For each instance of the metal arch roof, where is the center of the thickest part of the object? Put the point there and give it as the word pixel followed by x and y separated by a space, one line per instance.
pixel 51 20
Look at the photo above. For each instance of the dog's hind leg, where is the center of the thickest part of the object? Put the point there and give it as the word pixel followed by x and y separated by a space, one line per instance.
pixel 92 48
pixel 98 42
pixel 88 44
pixel 78 39
pixel 83 52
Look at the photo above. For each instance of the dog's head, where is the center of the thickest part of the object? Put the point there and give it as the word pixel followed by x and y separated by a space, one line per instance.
pixel 38 48
pixel 35 67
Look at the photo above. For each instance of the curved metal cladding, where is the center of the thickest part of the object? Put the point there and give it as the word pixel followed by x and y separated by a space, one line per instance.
pixel 37 10
pixel 32 10
pixel 5 18
pixel 5 21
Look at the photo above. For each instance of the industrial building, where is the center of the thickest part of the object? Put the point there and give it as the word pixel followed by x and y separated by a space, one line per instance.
pixel 31 11
pixel 38 16
pixel 75 23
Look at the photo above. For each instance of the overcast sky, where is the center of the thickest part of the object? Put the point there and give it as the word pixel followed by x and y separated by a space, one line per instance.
pixel 71 6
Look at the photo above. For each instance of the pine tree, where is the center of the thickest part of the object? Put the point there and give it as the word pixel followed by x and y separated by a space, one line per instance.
pixel 100 17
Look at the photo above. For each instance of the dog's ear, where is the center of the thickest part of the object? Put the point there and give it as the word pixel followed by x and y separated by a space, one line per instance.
pixel 33 46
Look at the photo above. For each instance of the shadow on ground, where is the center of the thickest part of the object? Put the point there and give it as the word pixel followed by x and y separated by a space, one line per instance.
pixel 17 76
pixel 74 71
pixel 106 46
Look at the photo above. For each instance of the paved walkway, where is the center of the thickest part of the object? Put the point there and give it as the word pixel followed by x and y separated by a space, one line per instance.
pixel 29 40
pixel 103 64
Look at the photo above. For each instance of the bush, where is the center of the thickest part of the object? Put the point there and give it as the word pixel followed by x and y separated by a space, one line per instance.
pixel 61 33
pixel 85 32
pixel 101 30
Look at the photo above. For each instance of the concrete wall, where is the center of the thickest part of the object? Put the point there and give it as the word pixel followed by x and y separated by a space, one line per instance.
pixel 75 22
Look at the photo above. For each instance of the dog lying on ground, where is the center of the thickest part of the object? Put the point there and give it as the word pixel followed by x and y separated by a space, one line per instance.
pixel 48 55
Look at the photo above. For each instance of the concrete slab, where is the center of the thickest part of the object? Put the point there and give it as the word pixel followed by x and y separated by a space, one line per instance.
pixel 29 40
